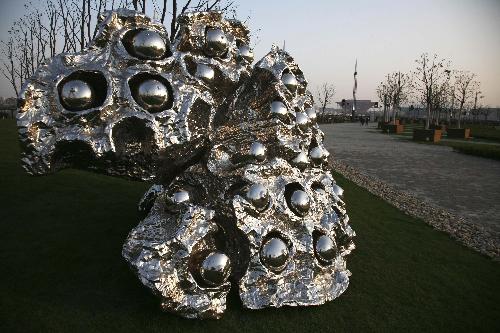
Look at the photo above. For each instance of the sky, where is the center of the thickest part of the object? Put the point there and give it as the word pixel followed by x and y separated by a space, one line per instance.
pixel 327 36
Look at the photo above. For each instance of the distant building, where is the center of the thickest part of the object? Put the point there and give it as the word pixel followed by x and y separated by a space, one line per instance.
pixel 8 107
pixel 329 111
pixel 362 105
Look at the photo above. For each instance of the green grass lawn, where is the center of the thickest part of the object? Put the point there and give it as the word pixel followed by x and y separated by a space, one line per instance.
pixel 61 266
pixel 484 132
pixel 477 149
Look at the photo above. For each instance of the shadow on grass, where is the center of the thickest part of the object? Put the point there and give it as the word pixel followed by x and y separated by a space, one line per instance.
pixel 62 270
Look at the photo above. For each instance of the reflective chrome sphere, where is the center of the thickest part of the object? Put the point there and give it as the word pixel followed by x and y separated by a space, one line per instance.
pixel 258 195
pixel 278 108
pixel 205 72
pixel 152 94
pixel 77 95
pixel 180 197
pixel 317 154
pixel 320 191
pixel 215 42
pixel 258 151
pixel 302 120
pixel 274 254
pixel 148 44
pixel 289 81
pixel 176 199
pixel 339 191
pixel 325 248
pixel 245 52
pixel 215 269
pixel 300 202
pixel 301 160
pixel 311 113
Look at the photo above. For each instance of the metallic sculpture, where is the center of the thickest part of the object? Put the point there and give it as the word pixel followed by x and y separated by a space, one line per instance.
pixel 244 196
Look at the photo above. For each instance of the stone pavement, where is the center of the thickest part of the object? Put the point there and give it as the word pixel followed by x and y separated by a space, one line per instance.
pixel 467 186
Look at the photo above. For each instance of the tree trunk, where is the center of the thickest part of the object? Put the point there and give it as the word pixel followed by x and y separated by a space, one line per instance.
pixel 459 123
pixel 428 118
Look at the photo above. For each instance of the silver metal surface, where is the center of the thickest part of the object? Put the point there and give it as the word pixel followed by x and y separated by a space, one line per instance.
pixel 205 72
pixel 177 198
pixel 303 280
pixel 302 120
pixel 149 44
pixel 160 250
pixel 215 268
pixel 278 108
pixel 339 191
pixel 325 248
pixel 216 42
pixel 258 196
pixel 300 202
pixel 119 137
pixel 311 113
pixel 152 94
pixel 289 81
pixel 258 151
pixel 318 154
pixel 77 95
pixel 243 198
pixel 245 52
pixel 301 161
pixel 274 254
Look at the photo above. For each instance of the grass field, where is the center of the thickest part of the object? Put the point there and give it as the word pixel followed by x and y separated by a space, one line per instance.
pixel 476 149
pixel 485 132
pixel 61 267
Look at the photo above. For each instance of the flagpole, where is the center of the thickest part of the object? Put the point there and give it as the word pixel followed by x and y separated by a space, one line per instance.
pixel 354 89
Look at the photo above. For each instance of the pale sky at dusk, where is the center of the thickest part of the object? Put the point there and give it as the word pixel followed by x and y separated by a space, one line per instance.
pixel 326 37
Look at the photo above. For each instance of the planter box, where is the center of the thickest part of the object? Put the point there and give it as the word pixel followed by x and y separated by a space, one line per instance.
pixel 458 133
pixel 439 127
pixel 390 127
pixel 430 135
pixel 398 129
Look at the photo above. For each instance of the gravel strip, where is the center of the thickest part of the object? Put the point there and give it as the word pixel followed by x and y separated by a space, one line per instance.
pixel 471 235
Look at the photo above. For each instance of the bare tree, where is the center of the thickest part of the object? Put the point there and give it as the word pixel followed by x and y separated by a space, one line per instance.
pixel 449 99
pixel 54 26
pixel 430 75
pixel 383 93
pixel 440 98
pixel 465 85
pixel 477 108
pixel 325 95
pixel 394 92
pixel 399 83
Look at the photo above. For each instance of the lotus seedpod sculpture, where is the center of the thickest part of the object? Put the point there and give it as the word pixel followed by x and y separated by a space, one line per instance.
pixel 243 195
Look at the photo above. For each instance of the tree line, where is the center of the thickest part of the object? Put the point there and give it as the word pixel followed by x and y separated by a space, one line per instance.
pixel 56 26
pixel 435 86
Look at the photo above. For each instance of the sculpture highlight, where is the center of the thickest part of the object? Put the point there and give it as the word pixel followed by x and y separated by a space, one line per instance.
pixel 243 195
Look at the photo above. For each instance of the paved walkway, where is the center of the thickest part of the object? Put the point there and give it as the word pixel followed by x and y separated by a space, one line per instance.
pixel 467 186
